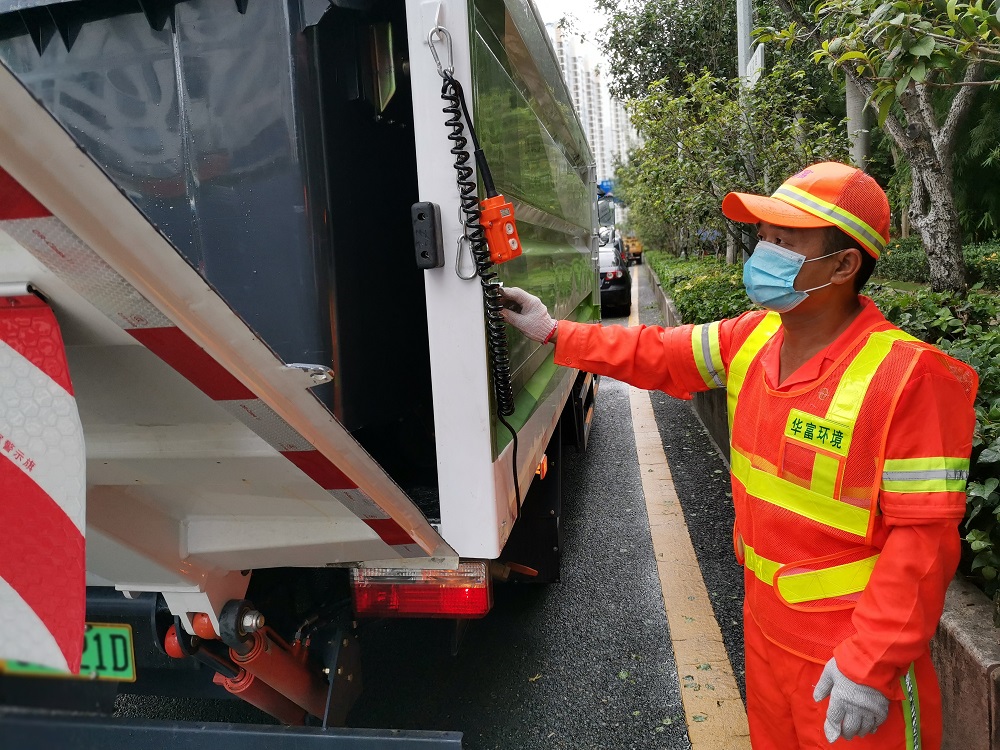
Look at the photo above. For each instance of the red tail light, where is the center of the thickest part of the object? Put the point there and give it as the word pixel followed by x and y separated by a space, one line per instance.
pixel 400 592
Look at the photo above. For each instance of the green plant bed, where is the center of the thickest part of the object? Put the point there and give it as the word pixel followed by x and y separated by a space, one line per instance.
pixel 905 261
pixel 966 327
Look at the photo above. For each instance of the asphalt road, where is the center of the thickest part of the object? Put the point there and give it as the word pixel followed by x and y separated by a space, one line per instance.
pixel 586 663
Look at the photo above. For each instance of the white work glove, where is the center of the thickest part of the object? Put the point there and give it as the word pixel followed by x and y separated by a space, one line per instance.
pixel 529 314
pixel 855 710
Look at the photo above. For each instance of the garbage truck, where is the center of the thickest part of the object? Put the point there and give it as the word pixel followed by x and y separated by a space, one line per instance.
pixel 255 385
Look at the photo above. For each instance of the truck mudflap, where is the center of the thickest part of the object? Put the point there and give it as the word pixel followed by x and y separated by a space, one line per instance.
pixel 234 464
pixel 41 731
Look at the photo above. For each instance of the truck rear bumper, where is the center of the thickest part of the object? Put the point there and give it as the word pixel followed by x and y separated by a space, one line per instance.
pixel 43 730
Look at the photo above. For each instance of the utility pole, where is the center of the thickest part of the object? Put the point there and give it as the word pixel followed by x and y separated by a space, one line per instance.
pixel 859 122
pixel 744 23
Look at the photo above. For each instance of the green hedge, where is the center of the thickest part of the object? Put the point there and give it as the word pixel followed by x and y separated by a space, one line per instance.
pixel 967 327
pixel 702 290
pixel 905 260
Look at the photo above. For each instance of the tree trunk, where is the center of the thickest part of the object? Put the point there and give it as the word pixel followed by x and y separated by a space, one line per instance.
pixel 933 214
pixel 929 145
pixel 730 249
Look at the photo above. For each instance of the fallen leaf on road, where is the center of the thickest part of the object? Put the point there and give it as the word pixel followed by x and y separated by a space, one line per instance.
pixel 536 678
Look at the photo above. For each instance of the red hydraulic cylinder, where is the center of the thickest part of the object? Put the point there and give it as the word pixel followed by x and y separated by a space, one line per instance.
pixel 267 699
pixel 281 668
pixel 245 685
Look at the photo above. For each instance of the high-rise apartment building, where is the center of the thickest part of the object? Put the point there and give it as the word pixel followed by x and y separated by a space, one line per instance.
pixel 604 119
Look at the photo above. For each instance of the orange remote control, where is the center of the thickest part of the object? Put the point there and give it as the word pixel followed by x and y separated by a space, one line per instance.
pixel 497 217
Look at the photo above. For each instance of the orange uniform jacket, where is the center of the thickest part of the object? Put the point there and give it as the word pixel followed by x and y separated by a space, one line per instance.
pixel 898 611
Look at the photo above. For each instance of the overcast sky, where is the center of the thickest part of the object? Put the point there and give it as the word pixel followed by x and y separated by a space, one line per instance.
pixel 585 16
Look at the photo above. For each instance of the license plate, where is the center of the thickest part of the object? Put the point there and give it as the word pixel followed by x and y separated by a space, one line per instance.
pixel 107 655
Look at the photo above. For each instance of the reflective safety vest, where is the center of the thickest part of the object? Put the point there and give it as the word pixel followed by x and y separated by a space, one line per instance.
pixel 807 468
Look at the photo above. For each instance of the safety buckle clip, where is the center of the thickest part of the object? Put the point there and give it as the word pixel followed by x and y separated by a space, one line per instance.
pixel 443 35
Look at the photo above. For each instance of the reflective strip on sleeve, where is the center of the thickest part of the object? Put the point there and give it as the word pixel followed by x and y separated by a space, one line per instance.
pixel 799 500
pixel 935 474
pixel 708 354
pixel 740 364
pixel 845 220
pixel 826 583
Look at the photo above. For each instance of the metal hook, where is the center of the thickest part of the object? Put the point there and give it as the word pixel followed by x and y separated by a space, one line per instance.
pixel 445 36
pixel 463 241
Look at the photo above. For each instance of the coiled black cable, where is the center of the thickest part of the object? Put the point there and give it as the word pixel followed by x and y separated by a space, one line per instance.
pixel 496 331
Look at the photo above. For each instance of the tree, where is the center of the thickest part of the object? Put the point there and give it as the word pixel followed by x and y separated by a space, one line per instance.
pixel 659 40
pixel 920 65
pixel 674 183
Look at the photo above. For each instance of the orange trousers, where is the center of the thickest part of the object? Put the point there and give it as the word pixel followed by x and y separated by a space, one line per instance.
pixel 784 716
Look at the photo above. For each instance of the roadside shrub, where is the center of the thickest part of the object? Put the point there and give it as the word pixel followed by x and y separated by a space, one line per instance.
pixel 702 290
pixel 904 260
pixel 983 263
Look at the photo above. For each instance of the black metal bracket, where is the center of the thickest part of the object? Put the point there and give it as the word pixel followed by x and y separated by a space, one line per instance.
pixel 231 629
pixel 427 240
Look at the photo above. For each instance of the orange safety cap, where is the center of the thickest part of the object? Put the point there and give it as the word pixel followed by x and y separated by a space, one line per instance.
pixel 821 195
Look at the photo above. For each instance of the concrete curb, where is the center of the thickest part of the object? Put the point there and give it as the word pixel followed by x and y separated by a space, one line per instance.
pixel 965 649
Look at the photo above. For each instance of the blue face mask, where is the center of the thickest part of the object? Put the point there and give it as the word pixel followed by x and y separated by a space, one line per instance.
pixel 769 276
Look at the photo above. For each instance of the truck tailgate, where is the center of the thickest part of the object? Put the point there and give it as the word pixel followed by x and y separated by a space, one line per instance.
pixel 206 453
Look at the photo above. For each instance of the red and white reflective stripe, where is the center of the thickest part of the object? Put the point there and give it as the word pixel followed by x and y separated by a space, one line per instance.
pixel 69 258
pixel 42 473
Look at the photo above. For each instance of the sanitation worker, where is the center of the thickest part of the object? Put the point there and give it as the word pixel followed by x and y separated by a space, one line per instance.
pixel 850 445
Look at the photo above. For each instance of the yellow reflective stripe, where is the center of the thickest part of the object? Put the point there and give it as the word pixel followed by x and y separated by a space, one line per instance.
pixel 846 402
pixel 799 500
pixel 740 363
pixel 761 567
pixel 929 463
pixel 708 354
pixel 828 583
pixel 854 226
pixel 924 486
pixel 824 475
pixel 928 474
pixel 813 585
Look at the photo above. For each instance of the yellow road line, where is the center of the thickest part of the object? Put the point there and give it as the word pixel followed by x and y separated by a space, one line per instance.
pixel 713 708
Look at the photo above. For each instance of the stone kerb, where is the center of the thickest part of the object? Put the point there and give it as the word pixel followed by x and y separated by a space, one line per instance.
pixel 965 649
pixel 710 406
